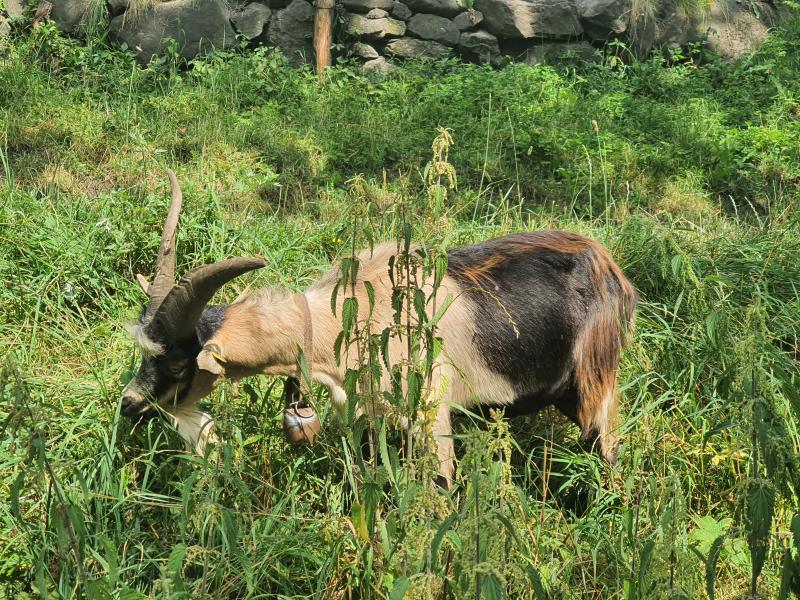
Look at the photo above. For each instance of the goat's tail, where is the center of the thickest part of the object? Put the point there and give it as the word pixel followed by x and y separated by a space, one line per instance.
pixel 597 354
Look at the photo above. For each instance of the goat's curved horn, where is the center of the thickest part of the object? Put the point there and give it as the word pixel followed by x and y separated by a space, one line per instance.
pixel 178 313
pixel 164 279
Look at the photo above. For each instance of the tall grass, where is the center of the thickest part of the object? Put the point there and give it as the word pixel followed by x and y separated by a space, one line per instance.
pixel 688 173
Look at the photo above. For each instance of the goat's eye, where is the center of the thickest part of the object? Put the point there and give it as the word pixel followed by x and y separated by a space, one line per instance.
pixel 177 370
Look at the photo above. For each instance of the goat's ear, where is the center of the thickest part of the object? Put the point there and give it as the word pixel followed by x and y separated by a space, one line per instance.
pixel 143 283
pixel 210 359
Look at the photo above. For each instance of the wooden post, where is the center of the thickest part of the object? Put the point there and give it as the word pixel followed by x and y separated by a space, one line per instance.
pixel 323 34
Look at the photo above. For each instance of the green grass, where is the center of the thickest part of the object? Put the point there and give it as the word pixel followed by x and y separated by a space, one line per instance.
pixel 689 174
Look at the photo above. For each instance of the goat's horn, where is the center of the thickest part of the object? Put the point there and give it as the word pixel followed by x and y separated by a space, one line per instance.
pixel 178 313
pixel 164 278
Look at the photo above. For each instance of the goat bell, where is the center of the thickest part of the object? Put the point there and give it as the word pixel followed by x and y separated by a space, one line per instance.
pixel 300 421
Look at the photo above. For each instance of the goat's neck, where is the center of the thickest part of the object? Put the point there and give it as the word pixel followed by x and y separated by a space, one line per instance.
pixel 264 336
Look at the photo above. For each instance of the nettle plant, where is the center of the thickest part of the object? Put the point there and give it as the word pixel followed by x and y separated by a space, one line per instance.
pixel 421 540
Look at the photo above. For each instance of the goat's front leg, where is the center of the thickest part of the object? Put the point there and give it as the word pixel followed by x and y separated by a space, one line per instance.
pixel 441 395
pixel 443 434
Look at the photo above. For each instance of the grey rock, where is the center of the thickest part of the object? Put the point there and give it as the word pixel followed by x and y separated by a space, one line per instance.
pixel 445 8
pixel 197 27
pixel 291 31
pixel 668 25
pixel 412 48
pixel 374 29
pixel 557 51
pixel 5 30
pixel 602 19
pixel 117 7
pixel 15 8
pixel 641 31
pixel 74 16
pixel 468 20
pixel 377 13
pixel 377 67
pixel 431 27
pixel 479 46
pixel 401 11
pixel 530 18
pixel 364 51
pixel 730 28
pixel 364 6
pixel 733 29
pixel 251 20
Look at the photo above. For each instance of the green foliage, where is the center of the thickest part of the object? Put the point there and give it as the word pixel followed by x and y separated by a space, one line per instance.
pixel 690 174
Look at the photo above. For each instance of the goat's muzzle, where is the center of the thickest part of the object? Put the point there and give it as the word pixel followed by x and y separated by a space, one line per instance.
pixel 135 407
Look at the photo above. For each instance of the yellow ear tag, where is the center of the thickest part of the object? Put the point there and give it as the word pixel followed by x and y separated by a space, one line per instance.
pixel 210 361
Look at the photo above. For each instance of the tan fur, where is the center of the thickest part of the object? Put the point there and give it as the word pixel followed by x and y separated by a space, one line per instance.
pixel 260 336
pixel 263 334
pixel 597 354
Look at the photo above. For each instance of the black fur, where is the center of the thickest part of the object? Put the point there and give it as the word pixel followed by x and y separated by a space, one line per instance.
pixel 547 293
pixel 176 367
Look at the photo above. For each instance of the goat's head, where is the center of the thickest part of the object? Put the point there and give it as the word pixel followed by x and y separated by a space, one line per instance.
pixel 175 323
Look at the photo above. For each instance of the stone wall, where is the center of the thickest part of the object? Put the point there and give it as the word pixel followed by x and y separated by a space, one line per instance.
pixel 379 32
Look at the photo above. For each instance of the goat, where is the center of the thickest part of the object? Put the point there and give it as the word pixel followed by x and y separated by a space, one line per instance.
pixel 537 319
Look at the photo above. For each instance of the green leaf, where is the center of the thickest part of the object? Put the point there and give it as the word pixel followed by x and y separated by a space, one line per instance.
pixel 645 557
pixel 229 531
pixel 400 588
pixel 372 495
pixel 390 265
pixel 711 327
pixel 334 298
pixel 346 265
pixel 512 531
pixel 370 296
pixel 440 311
pixel 98 589
pixel 337 347
pixel 414 382
pixel 491 588
pixel 16 487
pixel 127 593
pixel 354 264
pixel 787 574
pixel 711 565
pixel 419 305
pixel 304 370
pixel 760 508
pixel 437 539
pixel 112 560
pixel 536 581
pixel 385 336
pixel 383 448
pixel 349 314
pixel 397 304
pixel 708 530
pixel 439 269
pixel 795 527
pixel 175 567
pixel 359 521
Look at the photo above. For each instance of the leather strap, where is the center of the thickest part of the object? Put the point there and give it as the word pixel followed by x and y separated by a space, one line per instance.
pixel 308 341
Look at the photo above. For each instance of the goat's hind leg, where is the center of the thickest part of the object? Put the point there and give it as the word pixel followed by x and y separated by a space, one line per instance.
pixel 597 419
